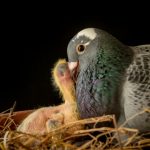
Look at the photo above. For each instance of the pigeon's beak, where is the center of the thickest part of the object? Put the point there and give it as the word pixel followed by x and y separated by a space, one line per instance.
pixel 73 67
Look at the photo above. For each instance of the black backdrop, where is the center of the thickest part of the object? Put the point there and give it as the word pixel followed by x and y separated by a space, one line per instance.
pixel 32 42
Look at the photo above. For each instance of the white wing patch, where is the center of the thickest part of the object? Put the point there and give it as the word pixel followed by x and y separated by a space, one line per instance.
pixel 89 32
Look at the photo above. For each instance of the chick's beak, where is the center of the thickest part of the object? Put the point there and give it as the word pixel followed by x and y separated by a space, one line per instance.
pixel 73 67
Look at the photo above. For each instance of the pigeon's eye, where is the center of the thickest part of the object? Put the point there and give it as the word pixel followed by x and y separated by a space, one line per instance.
pixel 80 48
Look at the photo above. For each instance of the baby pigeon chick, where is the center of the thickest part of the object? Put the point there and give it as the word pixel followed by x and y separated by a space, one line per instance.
pixel 45 119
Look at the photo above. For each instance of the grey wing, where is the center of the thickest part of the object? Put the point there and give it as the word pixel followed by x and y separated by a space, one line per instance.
pixel 136 92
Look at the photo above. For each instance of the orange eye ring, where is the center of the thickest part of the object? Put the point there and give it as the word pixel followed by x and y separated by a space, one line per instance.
pixel 80 48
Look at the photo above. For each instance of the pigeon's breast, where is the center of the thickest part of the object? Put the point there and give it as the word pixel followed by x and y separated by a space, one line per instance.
pixel 87 105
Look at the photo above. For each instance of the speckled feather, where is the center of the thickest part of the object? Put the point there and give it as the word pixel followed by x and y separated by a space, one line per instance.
pixel 136 91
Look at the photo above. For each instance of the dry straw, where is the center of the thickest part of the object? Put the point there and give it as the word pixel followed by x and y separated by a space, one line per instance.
pixel 96 138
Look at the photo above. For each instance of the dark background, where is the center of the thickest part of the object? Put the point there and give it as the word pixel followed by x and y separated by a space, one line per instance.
pixel 32 41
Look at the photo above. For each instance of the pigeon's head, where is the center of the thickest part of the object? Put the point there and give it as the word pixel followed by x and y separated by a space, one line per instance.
pixel 82 45
pixel 88 45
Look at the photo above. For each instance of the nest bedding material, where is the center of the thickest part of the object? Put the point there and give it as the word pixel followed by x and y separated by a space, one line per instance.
pixel 89 138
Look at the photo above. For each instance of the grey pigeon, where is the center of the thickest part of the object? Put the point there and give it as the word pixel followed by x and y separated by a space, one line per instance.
pixel 111 77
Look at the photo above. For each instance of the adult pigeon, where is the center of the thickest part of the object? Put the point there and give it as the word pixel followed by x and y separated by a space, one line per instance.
pixel 111 77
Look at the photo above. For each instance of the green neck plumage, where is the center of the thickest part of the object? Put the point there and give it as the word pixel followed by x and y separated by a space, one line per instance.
pixel 112 63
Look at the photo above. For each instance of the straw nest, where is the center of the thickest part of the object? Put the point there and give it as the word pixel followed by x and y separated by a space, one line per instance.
pixel 96 138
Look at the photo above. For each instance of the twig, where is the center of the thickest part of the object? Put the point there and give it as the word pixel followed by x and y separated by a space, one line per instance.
pixel 10 113
pixel 119 138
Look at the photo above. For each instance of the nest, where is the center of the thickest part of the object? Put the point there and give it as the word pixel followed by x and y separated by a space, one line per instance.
pixel 95 138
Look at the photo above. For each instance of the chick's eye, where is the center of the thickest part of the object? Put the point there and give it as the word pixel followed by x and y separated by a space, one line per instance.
pixel 80 48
